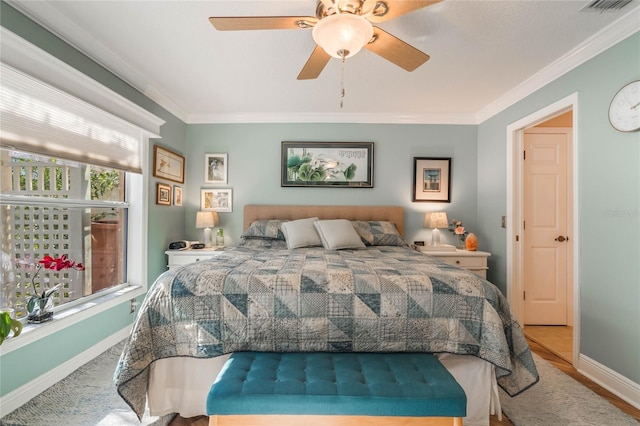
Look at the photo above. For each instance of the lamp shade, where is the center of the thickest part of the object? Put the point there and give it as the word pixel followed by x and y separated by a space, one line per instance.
pixel 435 220
pixel 342 34
pixel 206 219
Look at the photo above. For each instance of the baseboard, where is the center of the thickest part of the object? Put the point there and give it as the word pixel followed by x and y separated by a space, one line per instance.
pixel 610 380
pixel 26 392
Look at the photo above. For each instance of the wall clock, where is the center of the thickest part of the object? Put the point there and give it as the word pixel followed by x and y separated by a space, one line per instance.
pixel 624 111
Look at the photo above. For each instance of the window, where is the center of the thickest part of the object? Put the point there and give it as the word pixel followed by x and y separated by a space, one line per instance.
pixel 54 207
pixel 71 183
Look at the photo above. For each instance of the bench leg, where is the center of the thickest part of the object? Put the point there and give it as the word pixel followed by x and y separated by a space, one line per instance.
pixel 292 420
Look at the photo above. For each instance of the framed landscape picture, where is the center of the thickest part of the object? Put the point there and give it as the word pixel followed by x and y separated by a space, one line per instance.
pixel 215 168
pixel 219 200
pixel 327 164
pixel 432 179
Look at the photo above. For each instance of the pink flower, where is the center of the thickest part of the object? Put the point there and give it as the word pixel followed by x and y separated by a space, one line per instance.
pixel 459 230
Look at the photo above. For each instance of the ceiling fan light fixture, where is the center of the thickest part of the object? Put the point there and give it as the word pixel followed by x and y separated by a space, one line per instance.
pixel 342 33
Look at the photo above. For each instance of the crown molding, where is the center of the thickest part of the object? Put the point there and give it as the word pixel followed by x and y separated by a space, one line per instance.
pixel 608 37
pixel 94 50
pixel 33 61
pixel 288 117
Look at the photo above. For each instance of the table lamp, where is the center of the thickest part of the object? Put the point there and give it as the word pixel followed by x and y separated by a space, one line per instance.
pixel 207 220
pixel 435 220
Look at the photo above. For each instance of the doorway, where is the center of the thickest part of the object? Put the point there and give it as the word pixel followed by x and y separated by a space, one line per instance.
pixel 542 226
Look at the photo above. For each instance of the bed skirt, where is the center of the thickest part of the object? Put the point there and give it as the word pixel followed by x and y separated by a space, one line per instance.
pixel 181 385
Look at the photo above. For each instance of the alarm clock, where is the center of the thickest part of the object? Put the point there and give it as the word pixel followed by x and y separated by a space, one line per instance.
pixel 179 245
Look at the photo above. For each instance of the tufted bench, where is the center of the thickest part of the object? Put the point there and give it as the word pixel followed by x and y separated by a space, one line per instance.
pixel 318 388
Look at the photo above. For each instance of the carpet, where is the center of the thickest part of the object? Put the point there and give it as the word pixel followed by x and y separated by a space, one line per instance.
pixel 558 399
pixel 87 397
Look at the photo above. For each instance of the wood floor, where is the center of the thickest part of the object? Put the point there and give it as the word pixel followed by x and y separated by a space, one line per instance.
pixel 538 349
pixel 556 339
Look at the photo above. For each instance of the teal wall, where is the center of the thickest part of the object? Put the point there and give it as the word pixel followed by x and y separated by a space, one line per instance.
pixel 254 152
pixel 608 185
pixel 165 223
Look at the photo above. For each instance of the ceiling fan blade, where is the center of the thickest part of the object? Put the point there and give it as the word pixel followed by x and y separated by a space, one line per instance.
pixel 235 23
pixel 395 50
pixel 315 64
pixel 394 8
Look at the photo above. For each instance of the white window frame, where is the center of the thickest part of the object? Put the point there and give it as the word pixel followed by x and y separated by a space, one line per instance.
pixel 31 60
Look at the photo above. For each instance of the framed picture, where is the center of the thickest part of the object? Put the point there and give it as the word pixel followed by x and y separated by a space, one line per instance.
pixel 177 195
pixel 219 200
pixel 168 165
pixel 215 168
pixel 432 179
pixel 163 194
pixel 327 164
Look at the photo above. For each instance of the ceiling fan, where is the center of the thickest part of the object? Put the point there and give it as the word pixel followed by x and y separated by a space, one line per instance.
pixel 340 29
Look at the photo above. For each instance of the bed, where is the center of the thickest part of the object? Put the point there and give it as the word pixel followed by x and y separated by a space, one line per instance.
pixel 274 292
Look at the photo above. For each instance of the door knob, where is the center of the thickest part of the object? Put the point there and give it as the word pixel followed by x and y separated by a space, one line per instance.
pixel 562 238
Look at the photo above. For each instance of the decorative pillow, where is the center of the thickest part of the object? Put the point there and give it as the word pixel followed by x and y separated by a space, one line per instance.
pixel 263 243
pixel 378 233
pixel 266 229
pixel 301 233
pixel 338 234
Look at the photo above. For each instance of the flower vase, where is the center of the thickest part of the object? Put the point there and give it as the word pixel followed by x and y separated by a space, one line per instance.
pixel 461 244
pixel 40 309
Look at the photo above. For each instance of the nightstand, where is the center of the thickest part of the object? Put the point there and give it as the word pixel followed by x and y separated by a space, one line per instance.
pixel 474 261
pixel 179 258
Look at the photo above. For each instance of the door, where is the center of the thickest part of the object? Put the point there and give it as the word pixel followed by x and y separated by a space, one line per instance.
pixel 546 208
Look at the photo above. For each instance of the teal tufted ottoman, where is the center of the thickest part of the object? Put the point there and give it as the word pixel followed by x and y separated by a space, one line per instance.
pixel 319 388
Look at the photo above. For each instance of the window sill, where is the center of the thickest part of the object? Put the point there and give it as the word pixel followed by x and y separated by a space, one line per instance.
pixel 68 317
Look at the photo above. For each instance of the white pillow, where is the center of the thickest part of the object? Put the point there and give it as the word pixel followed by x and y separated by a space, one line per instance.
pixel 301 233
pixel 338 234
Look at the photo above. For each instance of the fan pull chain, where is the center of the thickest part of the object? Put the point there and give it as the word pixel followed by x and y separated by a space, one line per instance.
pixel 343 54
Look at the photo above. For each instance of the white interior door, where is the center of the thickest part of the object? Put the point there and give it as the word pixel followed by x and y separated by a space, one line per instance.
pixel 547 221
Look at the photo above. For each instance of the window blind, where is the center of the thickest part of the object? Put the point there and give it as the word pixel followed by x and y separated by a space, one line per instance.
pixel 36 117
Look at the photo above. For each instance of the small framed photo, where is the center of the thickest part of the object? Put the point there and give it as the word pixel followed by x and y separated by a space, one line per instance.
pixel 163 194
pixel 168 165
pixel 215 169
pixel 177 195
pixel 219 200
pixel 432 179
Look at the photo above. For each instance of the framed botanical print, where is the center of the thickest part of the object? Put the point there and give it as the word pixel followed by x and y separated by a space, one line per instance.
pixel 168 165
pixel 327 164
pixel 432 179
pixel 177 195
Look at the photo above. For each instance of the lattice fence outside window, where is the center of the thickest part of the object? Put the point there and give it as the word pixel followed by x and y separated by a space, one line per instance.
pixel 29 232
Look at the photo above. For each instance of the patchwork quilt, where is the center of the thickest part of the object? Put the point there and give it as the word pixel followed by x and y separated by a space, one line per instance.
pixel 379 299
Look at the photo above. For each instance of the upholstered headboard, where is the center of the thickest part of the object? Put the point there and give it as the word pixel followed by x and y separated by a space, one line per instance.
pixel 253 212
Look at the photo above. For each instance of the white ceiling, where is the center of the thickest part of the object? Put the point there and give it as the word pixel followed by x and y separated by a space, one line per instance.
pixel 485 55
